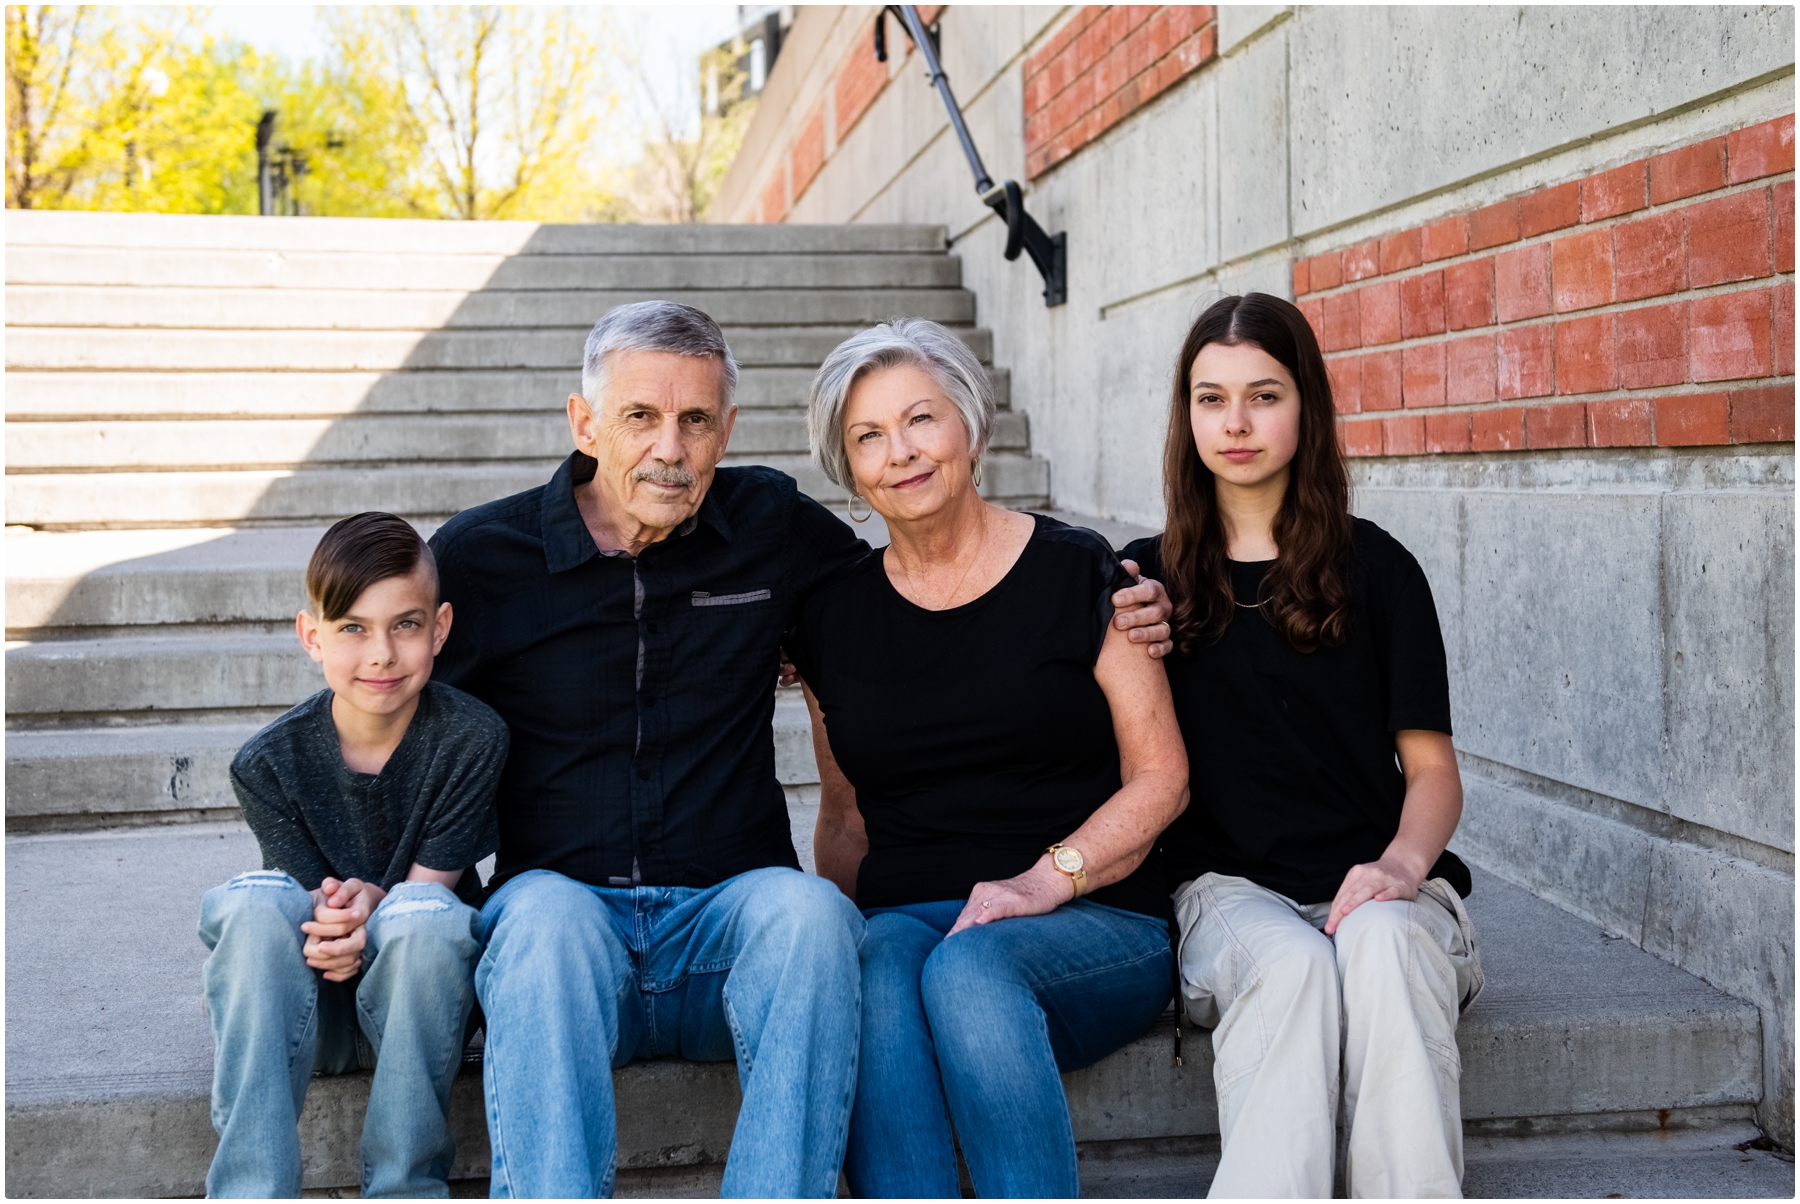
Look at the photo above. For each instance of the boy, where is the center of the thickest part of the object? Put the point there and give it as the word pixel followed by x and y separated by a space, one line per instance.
pixel 355 945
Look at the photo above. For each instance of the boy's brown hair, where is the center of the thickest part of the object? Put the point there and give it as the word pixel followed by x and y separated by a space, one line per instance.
pixel 356 553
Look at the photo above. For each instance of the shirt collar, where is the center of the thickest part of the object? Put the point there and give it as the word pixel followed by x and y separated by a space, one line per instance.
pixel 567 542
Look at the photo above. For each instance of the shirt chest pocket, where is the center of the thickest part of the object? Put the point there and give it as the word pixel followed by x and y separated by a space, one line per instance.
pixel 741 627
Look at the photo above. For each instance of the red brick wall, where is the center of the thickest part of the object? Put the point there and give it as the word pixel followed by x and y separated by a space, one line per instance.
pixel 1100 67
pixel 809 150
pixel 857 80
pixel 1648 305
pixel 774 199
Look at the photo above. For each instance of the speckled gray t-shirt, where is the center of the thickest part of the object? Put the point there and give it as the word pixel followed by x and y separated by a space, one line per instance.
pixel 432 803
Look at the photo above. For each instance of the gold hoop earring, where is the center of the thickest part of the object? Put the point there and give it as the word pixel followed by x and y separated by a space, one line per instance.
pixel 975 472
pixel 850 508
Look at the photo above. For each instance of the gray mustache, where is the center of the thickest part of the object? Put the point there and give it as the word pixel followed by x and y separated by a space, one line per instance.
pixel 668 474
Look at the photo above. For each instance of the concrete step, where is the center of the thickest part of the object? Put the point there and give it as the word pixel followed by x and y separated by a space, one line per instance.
pixel 69 501
pixel 148 676
pixel 1712 1159
pixel 41 396
pixel 59 349
pixel 1707 1161
pixel 83 778
pixel 187 576
pixel 398 439
pixel 112 307
pixel 129 268
pixel 145 231
pixel 109 1062
pixel 103 777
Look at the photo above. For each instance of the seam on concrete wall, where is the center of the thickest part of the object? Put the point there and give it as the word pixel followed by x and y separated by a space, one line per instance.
pixel 1648 820
pixel 1259 33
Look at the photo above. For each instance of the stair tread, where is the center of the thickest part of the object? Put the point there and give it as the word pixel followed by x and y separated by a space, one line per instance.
pixel 42 228
pixel 95 984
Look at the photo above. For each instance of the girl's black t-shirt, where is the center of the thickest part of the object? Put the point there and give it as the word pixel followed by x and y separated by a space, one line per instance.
pixel 1291 758
pixel 976 737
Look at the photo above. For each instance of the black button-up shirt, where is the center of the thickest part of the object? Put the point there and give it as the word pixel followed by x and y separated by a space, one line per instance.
pixel 640 690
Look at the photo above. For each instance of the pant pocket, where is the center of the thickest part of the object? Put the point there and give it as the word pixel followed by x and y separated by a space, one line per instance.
pixel 1192 958
pixel 1467 960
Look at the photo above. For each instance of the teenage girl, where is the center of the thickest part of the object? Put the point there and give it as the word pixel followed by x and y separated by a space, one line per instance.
pixel 1321 919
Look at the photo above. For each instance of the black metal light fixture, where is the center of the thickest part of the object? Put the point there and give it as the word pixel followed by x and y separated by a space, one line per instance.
pixel 1048 251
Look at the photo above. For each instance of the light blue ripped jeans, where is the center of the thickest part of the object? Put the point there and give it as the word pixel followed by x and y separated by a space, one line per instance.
pixel 276 1021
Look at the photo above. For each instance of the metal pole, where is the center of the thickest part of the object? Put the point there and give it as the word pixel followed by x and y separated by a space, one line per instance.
pixel 265 185
pixel 984 183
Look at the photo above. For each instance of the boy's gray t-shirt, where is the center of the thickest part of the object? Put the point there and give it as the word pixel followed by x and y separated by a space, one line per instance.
pixel 432 803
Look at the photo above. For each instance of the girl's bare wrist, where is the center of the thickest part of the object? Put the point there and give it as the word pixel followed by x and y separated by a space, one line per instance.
pixel 1411 863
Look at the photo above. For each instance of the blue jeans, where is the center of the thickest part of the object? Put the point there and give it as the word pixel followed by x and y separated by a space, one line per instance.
pixel 580 979
pixel 977 1028
pixel 276 1020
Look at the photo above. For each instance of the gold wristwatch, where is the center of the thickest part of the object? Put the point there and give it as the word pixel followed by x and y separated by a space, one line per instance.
pixel 1068 861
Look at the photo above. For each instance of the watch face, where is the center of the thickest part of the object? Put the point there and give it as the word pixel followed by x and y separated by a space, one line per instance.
pixel 1068 860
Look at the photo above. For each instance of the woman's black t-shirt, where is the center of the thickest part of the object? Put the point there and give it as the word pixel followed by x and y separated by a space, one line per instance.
pixel 976 737
pixel 1291 758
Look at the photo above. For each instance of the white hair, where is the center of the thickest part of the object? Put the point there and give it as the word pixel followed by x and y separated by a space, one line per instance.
pixel 655 326
pixel 915 341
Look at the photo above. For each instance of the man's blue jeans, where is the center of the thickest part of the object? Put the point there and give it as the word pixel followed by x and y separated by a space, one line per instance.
pixel 276 1020
pixel 977 1028
pixel 580 979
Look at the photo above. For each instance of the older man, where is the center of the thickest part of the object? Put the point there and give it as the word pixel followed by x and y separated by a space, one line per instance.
pixel 626 620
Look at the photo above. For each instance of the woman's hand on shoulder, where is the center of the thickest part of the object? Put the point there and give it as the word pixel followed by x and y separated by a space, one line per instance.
pixel 1373 881
pixel 1039 891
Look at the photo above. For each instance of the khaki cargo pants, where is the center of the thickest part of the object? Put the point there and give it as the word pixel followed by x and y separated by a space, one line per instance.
pixel 1289 1007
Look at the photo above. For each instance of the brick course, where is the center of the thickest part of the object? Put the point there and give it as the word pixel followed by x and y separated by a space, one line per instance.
pixel 855 84
pixel 1102 65
pixel 1650 304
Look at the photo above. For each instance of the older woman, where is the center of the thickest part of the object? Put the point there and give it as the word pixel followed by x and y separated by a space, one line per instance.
pixel 997 761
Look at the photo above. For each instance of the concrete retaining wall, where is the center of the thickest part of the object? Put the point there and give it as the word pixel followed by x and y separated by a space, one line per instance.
pixel 1620 622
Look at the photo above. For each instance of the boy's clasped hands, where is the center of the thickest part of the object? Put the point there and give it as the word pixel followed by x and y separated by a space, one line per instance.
pixel 338 931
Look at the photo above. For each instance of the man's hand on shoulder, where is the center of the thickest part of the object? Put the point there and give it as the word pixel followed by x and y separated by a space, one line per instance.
pixel 336 934
pixel 1142 612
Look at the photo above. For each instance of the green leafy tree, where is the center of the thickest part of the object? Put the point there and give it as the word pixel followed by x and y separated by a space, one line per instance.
pixel 345 122
pixel 455 112
pixel 501 104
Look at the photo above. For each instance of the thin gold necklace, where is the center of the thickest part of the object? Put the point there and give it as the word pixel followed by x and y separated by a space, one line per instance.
pixel 979 548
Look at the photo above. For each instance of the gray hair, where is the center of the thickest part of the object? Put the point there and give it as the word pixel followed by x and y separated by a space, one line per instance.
pixel 924 345
pixel 654 326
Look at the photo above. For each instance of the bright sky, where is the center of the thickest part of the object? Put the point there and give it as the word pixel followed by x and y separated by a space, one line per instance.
pixel 672 37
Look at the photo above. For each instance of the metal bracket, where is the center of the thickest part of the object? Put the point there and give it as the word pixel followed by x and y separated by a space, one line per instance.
pixel 881 54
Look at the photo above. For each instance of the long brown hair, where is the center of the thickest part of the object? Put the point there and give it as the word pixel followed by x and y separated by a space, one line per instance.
pixel 1305 595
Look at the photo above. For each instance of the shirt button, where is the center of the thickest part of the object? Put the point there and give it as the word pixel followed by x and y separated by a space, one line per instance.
pixel 384 844
pixel 381 821
pixel 652 627
pixel 643 773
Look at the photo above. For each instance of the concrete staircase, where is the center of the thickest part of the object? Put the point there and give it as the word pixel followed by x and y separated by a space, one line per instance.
pixel 191 400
